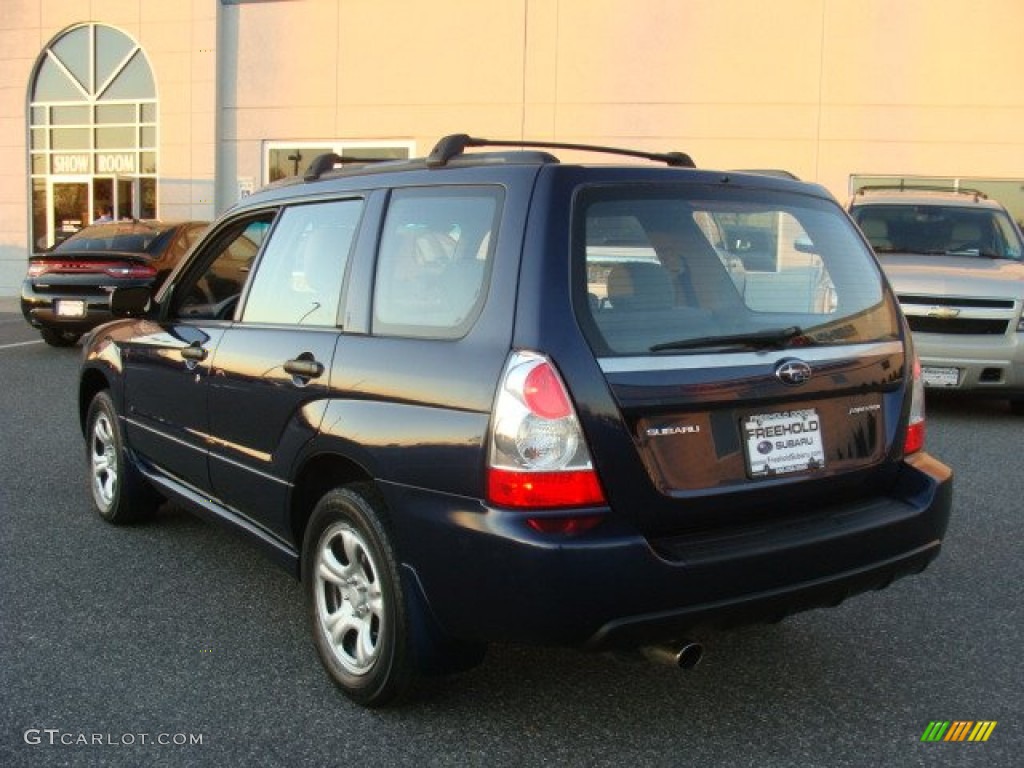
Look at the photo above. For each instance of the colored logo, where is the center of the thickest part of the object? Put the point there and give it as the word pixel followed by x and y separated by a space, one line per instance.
pixel 958 730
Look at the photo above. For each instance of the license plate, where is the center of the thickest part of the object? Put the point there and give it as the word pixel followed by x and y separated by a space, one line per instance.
pixel 67 308
pixel 780 443
pixel 940 377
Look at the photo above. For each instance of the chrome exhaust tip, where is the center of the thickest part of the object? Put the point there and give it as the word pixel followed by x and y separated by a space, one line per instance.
pixel 684 654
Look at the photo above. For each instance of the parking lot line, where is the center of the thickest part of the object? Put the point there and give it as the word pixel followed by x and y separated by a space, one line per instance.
pixel 20 344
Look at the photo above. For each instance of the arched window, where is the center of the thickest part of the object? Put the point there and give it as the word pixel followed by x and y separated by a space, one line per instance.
pixel 93 131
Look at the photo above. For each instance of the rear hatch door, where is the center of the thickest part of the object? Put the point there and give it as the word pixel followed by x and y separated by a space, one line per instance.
pixel 752 350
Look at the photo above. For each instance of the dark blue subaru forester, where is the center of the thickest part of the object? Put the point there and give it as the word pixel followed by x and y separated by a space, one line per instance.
pixel 491 397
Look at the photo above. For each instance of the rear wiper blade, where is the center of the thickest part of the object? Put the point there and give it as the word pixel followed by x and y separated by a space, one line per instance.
pixel 772 338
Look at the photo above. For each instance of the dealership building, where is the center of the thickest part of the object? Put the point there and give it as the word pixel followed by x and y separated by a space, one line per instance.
pixel 175 110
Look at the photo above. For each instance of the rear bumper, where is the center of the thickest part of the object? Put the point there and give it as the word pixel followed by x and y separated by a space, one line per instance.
pixel 987 365
pixel 487 576
pixel 40 309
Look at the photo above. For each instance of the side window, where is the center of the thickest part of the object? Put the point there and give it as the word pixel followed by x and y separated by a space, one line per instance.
pixel 212 292
pixel 434 260
pixel 299 278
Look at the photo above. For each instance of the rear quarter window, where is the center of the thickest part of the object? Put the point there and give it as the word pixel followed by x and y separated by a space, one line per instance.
pixel 434 260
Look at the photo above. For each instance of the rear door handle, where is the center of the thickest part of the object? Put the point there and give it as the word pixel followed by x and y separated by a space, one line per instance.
pixel 304 367
pixel 194 353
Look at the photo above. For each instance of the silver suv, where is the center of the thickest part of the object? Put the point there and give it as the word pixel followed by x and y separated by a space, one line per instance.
pixel 954 258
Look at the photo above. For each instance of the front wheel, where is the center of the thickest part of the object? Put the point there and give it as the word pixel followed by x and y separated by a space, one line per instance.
pixel 357 605
pixel 119 492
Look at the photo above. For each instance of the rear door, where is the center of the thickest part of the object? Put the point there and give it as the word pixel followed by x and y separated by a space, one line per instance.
pixel 748 341
pixel 271 371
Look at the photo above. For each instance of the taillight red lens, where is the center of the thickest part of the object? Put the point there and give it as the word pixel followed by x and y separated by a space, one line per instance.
pixel 913 441
pixel 117 269
pixel 544 490
pixel 544 394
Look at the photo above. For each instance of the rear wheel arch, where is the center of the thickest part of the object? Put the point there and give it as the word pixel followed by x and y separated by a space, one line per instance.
pixel 317 476
pixel 413 644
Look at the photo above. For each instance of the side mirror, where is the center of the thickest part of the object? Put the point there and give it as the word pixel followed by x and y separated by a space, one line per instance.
pixel 130 302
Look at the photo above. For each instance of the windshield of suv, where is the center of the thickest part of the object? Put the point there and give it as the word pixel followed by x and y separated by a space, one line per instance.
pixel 692 269
pixel 939 229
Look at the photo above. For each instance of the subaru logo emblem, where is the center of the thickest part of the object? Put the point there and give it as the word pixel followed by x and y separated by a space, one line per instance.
pixel 793 372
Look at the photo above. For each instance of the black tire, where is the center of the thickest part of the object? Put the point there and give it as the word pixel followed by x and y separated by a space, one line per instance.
pixel 358 607
pixel 119 492
pixel 1017 407
pixel 57 338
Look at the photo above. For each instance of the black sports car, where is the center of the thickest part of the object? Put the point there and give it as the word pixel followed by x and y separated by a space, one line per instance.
pixel 66 291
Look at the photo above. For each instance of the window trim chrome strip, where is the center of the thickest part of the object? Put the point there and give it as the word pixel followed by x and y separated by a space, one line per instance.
pixel 637 363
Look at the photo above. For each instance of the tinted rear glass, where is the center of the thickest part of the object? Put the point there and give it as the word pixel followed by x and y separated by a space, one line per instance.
pixel 656 267
pixel 131 237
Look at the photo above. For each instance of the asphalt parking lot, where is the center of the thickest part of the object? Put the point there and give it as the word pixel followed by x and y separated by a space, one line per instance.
pixel 174 643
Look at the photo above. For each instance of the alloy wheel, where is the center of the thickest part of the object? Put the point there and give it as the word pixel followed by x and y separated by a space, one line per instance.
pixel 349 601
pixel 104 461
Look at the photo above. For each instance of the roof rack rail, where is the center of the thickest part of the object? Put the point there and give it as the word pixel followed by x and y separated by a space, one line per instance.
pixel 455 144
pixel 323 163
pixel 778 173
pixel 903 187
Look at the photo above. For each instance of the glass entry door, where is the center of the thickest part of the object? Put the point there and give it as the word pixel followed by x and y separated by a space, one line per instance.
pixel 69 204
pixel 76 202
pixel 117 195
pixel 128 199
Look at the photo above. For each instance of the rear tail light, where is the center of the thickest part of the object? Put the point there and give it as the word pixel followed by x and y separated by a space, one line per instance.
pixel 117 269
pixel 130 271
pixel 538 457
pixel 914 439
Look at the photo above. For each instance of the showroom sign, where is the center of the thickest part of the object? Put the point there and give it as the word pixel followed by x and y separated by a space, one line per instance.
pixel 106 163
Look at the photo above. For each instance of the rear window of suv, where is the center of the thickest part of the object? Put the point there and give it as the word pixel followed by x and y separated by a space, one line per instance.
pixel 678 267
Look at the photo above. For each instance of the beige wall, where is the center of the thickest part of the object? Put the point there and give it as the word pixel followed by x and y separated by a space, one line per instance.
pixel 824 88
pixel 179 39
